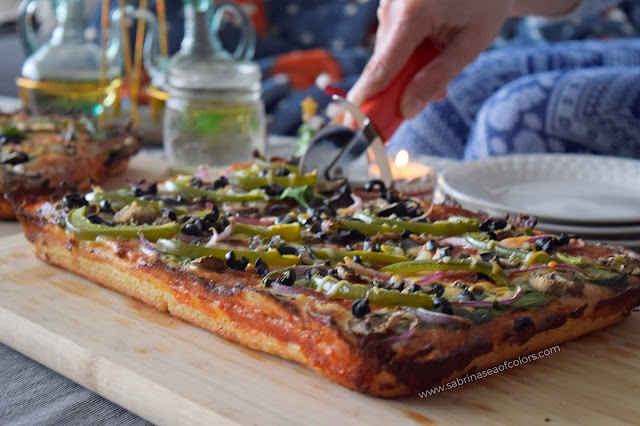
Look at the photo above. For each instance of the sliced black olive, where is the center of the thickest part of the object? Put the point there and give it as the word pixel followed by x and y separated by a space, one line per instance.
pixel 288 278
pixel 493 224
pixel 261 268
pixel 263 172
pixel 445 251
pixel 547 244
pixel 222 224
pixel 237 264
pixel 195 228
pixel 74 200
pixel 151 189
pixel 287 250
pixel 282 171
pixel 411 208
pixel 379 283
pixel 195 181
pixel 431 245
pixel 360 308
pixel 357 259
pixel 413 288
pixel 488 255
pixel 373 184
pixel 105 206
pixel 211 218
pixel 466 295
pixel 274 190
pixel 436 289
pixel 94 218
pixel 440 304
pixel 398 285
pixel 341 197
pixel 396 209
pixel 14 157
pixel 169 214
pixel 221 182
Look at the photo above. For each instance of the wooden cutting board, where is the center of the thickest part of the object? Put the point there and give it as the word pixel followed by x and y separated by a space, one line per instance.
pixel 173 373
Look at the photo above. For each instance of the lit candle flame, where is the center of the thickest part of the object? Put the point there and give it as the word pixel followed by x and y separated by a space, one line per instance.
pixel 402 158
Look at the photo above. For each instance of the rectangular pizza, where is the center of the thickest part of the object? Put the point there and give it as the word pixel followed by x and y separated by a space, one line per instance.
pixel 379 292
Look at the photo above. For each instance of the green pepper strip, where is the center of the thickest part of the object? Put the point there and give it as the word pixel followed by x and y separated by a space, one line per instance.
pixel 373 257
pixel 270 165
pixel 378 296
pixel 78 224
pixel 530 257
pixel 252 180
pixel 470 264
pixel 191 251
pixel 215 196
pixel 118 201
pixel 441 228
pixel 289 232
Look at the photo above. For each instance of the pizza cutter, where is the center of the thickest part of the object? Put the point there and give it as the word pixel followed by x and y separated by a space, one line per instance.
pixel 337 151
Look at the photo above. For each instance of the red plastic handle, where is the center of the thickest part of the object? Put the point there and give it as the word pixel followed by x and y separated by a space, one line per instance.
pixel 384 108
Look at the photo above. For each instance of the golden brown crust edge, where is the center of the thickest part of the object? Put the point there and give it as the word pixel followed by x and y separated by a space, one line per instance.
pixel 285 328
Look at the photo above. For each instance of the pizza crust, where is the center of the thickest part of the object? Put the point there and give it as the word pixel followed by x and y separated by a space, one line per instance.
pixel 227 305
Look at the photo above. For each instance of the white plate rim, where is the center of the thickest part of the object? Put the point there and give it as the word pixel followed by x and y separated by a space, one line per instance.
pixel 492 163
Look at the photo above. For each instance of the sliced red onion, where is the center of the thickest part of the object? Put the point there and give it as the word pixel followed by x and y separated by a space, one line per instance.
pixel 296 290
pixel 217 237
pixel 208 205
pixel 438 318
pixel 254 221
pixel 326 225
pixel 403 336
pixel 487 304
pixel 431 278
pixel 148 245
pixel 357 202
pixel 562 266
pixel 456 241
pixel 379 276
pixel 186 238
pixel 202 172
pixel 538 238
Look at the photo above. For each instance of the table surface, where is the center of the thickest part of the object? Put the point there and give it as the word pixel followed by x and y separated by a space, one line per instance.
pixel 593 380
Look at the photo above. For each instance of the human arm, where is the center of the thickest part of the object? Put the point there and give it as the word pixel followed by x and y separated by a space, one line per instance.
pixel 461 29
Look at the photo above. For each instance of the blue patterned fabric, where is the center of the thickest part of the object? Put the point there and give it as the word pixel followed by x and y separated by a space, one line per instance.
pixel 576 96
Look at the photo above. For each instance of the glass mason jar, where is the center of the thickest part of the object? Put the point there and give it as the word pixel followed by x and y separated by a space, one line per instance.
pixel 212 126
pixel 214 114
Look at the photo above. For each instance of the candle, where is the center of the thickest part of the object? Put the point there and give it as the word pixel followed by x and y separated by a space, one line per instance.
pixel 413 179
pixel 403 169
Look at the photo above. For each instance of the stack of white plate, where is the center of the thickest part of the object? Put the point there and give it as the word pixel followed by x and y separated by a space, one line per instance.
pixel 595 197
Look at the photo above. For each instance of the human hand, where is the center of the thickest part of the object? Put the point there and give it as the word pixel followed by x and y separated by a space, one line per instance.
pixel 461 29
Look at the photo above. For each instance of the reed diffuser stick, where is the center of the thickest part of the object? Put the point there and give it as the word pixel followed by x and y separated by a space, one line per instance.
pixel 137 68
pixel 104 36
pixel 126 40
pixel 161 11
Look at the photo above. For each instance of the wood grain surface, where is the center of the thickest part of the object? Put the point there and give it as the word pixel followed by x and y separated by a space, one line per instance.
pixel 173 373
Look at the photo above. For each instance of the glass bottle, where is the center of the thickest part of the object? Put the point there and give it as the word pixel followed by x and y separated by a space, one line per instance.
pixel 66 73
pixel 214 113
